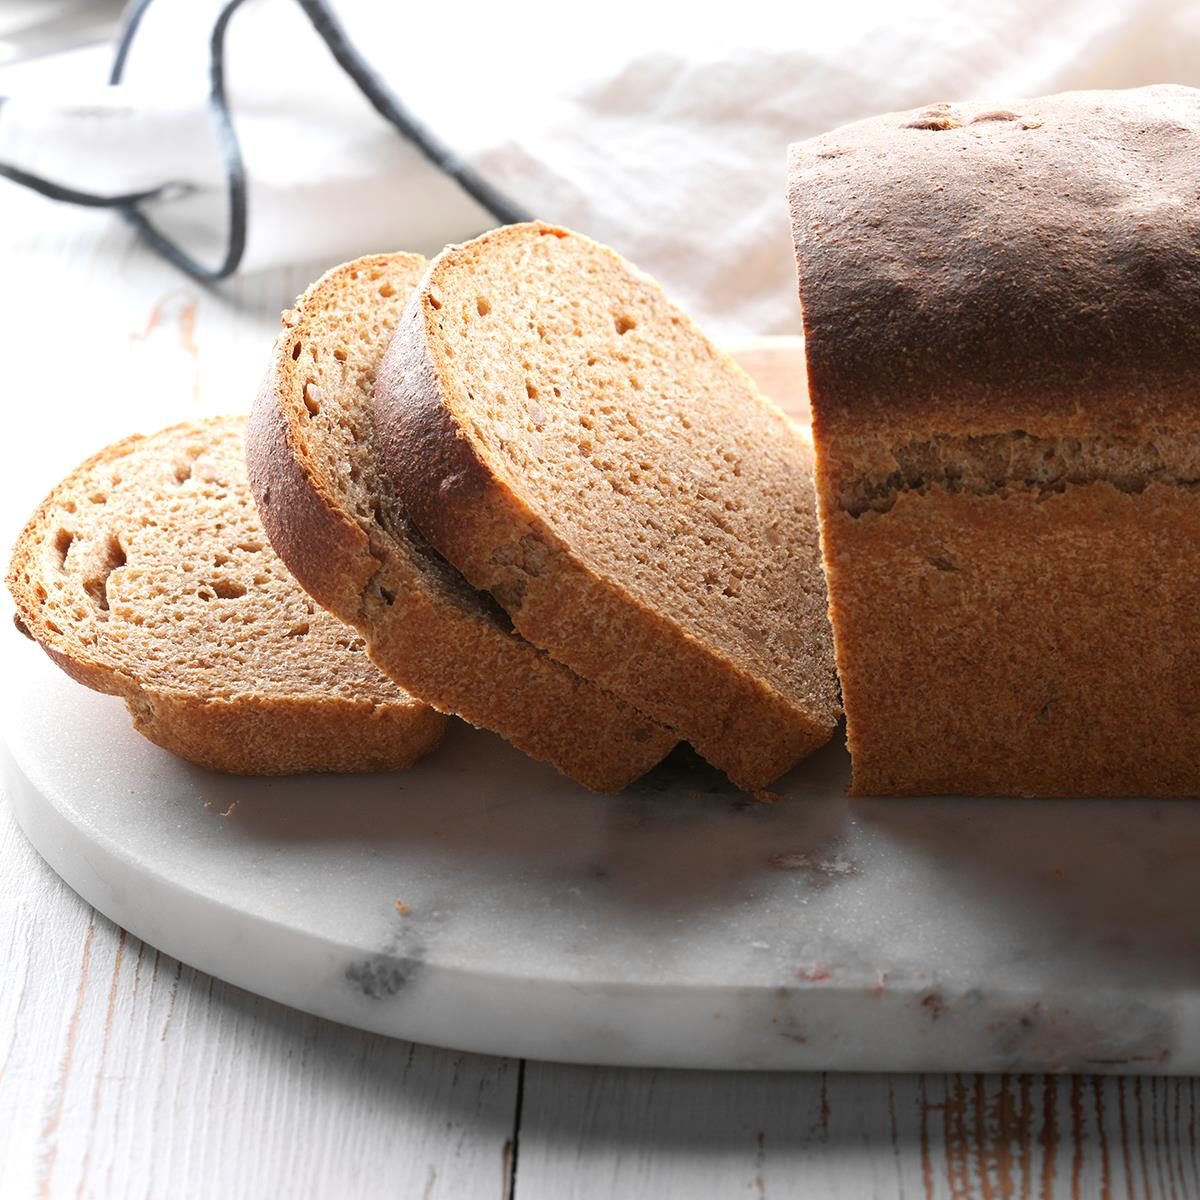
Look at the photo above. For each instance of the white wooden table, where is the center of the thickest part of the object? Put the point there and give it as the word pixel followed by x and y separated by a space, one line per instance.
pixel 126 1073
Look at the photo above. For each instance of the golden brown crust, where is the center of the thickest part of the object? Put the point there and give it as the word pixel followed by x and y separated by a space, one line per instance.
pixel 959 257
pixel 424 626
pixel 1021 645
pixel 1001 319
pixel 324 549
pixel 289 737
pixel 279 730
pixel 474 514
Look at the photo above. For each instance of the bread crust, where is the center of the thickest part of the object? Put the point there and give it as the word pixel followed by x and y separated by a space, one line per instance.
pixel 956 258
pixel 248 733
pixel 976 281
pixel 435 636
pixel 1024 645
pixel 554 594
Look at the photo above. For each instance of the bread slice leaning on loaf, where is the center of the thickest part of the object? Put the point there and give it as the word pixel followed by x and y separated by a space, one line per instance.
pixel 335 520
pixel 570 440
pixel 146 574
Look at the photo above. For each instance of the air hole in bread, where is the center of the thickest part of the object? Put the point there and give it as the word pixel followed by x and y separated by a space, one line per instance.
pixel 296 348
pixel 312 398
pixel 341 354
pixel 219 560
pixel 387 290
pixel 298 630
pixel 62 543
pixel 183 471
pixel 250 547
pixel 98 498
pixel 387 596
pixel 483 305
pixel 111 556
pixel 434 302
pixel 624 323
pixel 228 589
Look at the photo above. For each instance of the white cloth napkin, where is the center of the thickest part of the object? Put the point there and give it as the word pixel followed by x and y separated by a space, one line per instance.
pixel 661 135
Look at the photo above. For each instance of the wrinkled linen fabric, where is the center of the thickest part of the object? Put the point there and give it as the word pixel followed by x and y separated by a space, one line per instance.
pixel 665 138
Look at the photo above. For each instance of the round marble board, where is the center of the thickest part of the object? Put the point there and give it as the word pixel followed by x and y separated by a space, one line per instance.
pixel 482 902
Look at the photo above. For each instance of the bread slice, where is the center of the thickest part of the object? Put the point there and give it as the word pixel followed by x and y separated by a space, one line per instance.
pixel 146 574
pixel 334 519
pixel 567 438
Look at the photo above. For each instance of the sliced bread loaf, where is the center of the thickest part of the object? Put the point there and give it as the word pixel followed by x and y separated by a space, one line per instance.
pixel 1001 305
pixel 570 441
pixel 334 519
pixel 146 574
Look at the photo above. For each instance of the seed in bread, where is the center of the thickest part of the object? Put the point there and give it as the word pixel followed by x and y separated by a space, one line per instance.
pixel 1002 317
pixel 146 573
pixel 570 441
pixel 334 518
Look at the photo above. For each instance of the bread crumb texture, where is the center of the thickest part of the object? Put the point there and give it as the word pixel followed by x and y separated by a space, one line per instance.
pixel 147 573
pixel 336 520
pixel 630 450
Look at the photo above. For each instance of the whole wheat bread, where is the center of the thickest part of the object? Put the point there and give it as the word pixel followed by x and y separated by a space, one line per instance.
pixel 1004 367
pixel 567 438
pixel 334 519
pixel 146 574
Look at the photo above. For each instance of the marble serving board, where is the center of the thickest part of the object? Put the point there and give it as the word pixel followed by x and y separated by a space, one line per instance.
pixel 482 902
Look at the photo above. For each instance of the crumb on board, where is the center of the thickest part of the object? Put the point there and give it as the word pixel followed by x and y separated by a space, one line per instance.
pixel 402 908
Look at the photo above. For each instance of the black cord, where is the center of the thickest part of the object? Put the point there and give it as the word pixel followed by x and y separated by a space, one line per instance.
pixel 231 151
pixel 132 18
pixel 380 96
pixel 385 102
pixel 58 191
pixel 69 195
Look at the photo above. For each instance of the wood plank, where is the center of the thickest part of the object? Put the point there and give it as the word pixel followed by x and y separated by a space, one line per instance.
pixel 591 1133
pixel 123 1072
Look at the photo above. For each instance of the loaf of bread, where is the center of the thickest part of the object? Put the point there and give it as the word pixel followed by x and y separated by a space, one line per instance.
pixel 333 517
pixel 146 574
pixel 1001 306
pixel 570 441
